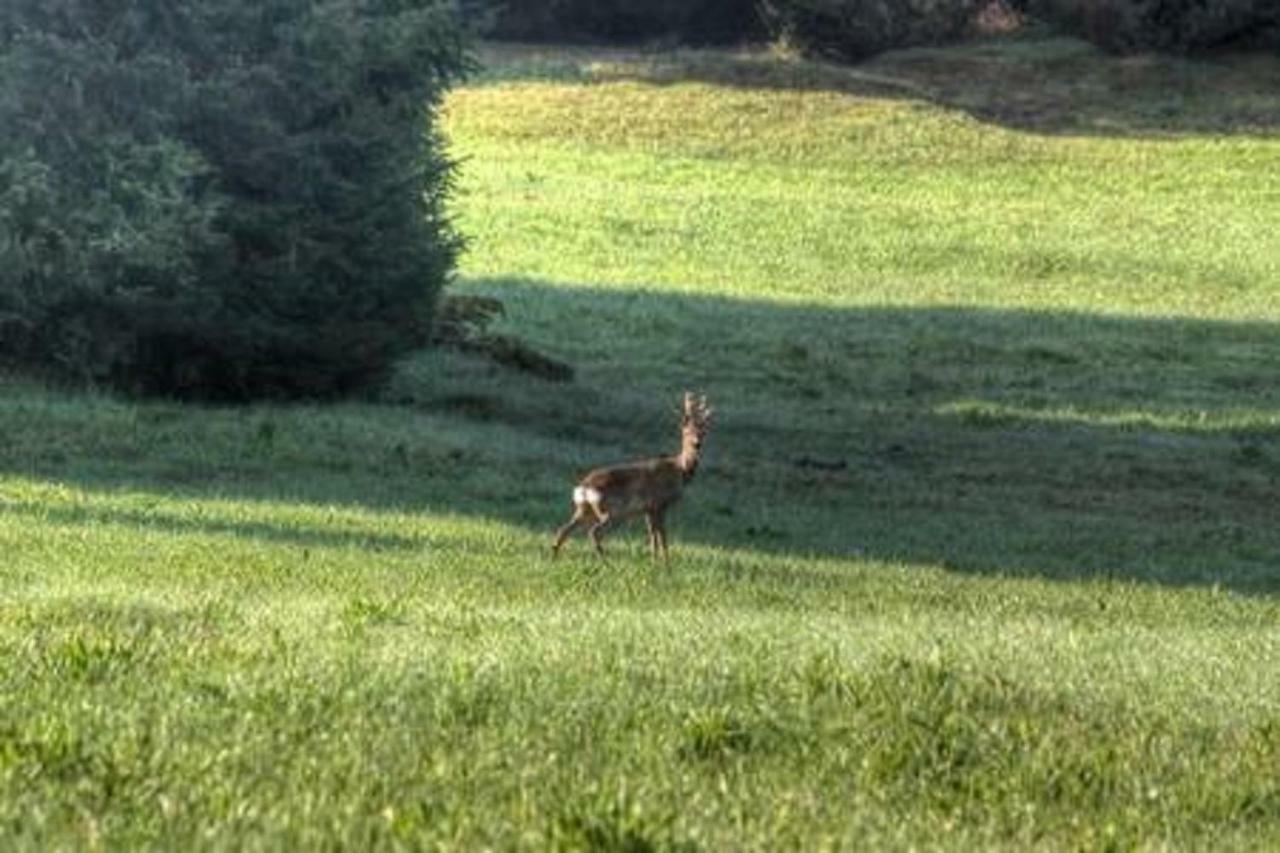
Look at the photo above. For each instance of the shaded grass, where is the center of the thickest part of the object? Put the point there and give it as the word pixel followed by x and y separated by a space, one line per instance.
pixel 982 554
pixel 999 442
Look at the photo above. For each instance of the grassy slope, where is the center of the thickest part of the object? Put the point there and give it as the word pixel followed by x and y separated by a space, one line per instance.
pixel 983 553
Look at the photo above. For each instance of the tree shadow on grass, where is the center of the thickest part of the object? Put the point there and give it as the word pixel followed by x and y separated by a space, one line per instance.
pixel 1039 85
pixel 1044 444
pixel 1058 444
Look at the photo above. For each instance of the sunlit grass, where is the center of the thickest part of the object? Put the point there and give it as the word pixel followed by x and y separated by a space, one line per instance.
pixel 995 414
pixel 859 193
pixel 968 234
pixel 188 672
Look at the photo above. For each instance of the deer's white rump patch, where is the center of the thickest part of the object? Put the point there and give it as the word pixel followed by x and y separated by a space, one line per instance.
pixel 586 495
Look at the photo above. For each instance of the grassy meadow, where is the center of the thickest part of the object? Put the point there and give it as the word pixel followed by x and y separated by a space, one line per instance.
pixel 983 552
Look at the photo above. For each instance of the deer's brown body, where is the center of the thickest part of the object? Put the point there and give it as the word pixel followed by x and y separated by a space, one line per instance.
pixel 648 487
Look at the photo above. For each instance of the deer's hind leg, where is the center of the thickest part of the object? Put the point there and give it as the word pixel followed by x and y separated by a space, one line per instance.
pixel 603 520
pixel 579 516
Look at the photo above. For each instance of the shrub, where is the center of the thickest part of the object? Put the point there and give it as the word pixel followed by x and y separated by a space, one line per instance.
pixel 691 21
pixel 222 198
pixel 855 29
pixel 1164 25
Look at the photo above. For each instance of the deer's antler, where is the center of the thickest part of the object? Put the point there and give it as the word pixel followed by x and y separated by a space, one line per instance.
pixel 696 408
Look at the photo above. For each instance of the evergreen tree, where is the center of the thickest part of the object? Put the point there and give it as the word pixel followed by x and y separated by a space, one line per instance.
pixel 222 198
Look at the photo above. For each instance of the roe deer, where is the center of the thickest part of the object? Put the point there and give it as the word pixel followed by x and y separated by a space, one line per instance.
pixel 647 487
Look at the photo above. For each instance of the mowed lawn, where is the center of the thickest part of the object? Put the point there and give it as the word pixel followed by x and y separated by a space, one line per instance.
pixel 983 553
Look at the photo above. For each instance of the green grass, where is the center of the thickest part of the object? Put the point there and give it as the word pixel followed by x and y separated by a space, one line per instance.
pixel 871 193
pixel 983 553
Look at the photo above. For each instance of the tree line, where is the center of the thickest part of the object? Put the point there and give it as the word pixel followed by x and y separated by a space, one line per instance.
pixel 854 29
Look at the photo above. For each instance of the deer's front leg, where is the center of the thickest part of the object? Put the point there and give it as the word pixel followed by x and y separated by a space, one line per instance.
pixel 660 535
pixel 597 530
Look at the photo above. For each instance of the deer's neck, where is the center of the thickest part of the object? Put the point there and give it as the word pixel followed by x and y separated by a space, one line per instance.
pixel 687 462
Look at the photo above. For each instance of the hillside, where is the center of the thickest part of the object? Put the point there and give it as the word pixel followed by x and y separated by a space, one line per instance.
pixel 983 552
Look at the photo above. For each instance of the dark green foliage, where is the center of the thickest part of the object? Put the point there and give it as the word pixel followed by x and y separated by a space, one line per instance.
pixel 855 29
pixel 1166 25
pixel 691 21
pixel 222 199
